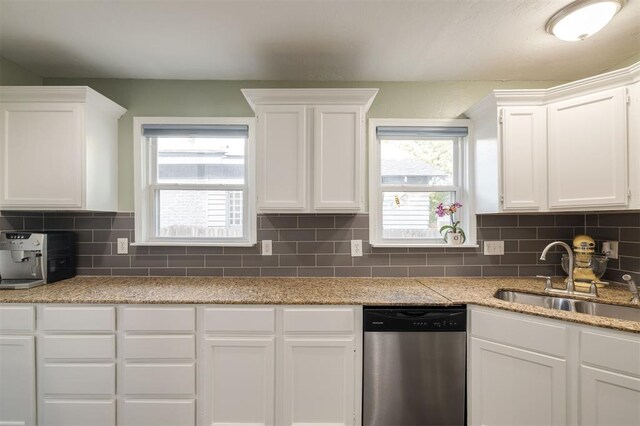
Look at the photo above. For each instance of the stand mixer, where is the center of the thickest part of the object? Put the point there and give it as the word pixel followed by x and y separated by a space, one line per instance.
pixel 588 266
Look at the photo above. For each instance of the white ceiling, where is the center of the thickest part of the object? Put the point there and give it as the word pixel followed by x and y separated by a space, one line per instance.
pixel 307 40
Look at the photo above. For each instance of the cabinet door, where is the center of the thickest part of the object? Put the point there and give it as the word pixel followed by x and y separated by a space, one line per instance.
pixel 17 380
pixel 77 412
pixel 608 398
pixel 588 151
pixel 157 412
pixel 338 158
pixel 282 158
pixel 319 381
pixel 239 376
pixel 41 153
pixel 524 141
pixel 510 386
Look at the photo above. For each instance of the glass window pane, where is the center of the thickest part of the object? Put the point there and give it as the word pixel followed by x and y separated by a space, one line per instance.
pixel 200 214
pixel 419 162
pixel 412 215
pixel 201 160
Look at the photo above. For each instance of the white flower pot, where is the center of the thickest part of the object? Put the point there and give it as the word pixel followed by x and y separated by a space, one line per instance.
pixel 454 238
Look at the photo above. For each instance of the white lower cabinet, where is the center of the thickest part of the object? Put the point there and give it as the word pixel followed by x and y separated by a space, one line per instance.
pixel 17 380
pixel 240 380
pixel 609 378
pixel 608 398
pixel 527 370
pixel 76 365
pixel 157 378
pixel 319 381
pixel 17 365
pixel 518 372
pixel 511 386
pixel 281 366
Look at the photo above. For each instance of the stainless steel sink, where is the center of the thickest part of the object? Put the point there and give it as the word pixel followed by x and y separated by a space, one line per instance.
pixel 571 305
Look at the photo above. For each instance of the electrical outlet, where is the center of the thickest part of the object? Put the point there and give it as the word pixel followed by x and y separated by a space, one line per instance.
pixel 123 246
pixel 267 248
pixel 610 249
pixel 356 248
pixel 493 248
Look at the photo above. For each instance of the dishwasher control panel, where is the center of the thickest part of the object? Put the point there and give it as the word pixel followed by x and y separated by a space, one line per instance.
pixel 415 319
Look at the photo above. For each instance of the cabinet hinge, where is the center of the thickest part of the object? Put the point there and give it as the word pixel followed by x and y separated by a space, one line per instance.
pixel 629 193
pixel 501 198
pixel 500 117
pixel 628 96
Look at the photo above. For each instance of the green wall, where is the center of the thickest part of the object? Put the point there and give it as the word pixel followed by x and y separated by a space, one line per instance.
pixel 441 99
pixel 12 74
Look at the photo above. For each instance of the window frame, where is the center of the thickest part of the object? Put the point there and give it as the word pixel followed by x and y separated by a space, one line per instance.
pixel 463 152
pixel 146 204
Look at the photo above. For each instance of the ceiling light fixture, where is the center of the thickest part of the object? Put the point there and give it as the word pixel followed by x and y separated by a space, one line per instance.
pixel 583 18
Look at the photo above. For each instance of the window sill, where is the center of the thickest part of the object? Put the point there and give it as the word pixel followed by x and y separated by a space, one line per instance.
pixel 403 245
pixel 190 244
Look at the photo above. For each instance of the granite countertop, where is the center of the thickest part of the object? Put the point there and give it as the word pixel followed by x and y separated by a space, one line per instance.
pixel 311 291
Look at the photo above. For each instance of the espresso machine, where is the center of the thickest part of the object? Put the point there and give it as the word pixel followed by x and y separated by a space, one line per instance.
pixel 29 259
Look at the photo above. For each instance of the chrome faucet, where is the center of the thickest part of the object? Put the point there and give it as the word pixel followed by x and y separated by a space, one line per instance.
pixel 571 289
pixel 633 288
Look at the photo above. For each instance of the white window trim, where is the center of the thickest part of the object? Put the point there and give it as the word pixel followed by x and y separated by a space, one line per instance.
pixel 143 165
pixel 465 152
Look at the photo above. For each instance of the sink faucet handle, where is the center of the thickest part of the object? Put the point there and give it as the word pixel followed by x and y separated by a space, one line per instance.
pixel 547 284
pixel 593 289
pixel 633 288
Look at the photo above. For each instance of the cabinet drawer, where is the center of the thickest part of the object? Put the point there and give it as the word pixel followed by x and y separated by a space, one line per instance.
pixel 79 379
pixel 258 320
pixel 163 412
pixel 328 320
pixel 515 330
pixel 78 319
pixel 159 347
pixel 78 413
pixel 159 379
pixel 613 352
pixel 78 347
pixel 158 319
pixel 17 318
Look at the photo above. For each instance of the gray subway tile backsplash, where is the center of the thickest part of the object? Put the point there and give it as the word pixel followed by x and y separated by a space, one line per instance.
pixel 319 246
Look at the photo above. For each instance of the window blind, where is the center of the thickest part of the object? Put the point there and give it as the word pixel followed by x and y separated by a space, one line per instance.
pixel 195 130
pixel 420 132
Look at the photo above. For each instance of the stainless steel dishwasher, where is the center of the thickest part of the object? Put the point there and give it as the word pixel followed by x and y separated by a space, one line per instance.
pixel 414 369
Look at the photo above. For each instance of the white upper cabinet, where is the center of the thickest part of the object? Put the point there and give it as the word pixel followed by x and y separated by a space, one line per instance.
pixel 58 149
pixel 588 150
pixel 510 160
pixel 524 155
pixel 310 148
pixel 282 157
pixel 568 148
pixel 338 158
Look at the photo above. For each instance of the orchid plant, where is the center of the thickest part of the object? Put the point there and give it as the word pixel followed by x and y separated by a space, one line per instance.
pixel 449 210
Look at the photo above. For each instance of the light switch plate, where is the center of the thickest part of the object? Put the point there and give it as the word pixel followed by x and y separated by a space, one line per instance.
pixel 267 248
pixel 493 248
pixel 356 248
pixel 610 249
pixel 123 246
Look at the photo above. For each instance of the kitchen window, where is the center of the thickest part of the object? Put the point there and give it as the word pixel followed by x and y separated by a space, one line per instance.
pixel 194 181
pixel 413 166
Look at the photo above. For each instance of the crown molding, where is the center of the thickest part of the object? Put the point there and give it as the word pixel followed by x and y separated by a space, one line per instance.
pixel 72 94
pixel 539 97
pixel 335 96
